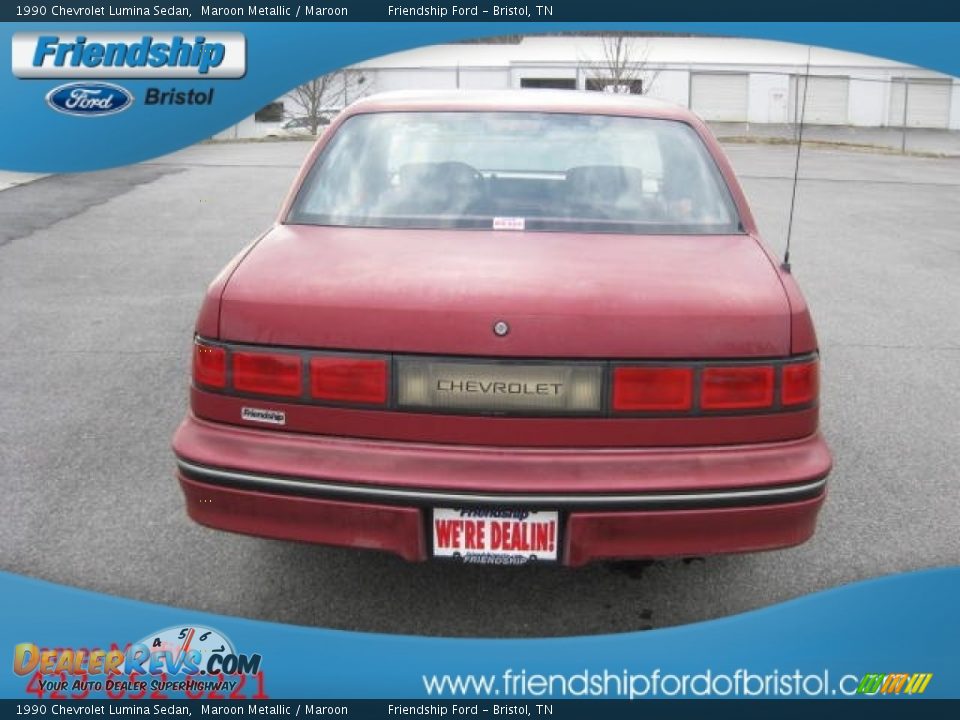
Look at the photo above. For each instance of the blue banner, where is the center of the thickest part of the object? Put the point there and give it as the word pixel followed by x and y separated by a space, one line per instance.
pixel 282 56
pixel 820 646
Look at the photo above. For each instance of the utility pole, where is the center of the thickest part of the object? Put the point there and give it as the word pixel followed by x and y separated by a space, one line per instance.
pixel 903 125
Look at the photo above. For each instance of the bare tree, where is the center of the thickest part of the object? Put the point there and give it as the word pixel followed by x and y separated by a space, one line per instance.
pixel 316 100
pixel 624 67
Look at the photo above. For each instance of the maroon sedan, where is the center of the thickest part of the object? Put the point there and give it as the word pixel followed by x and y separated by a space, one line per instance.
pixel 509 327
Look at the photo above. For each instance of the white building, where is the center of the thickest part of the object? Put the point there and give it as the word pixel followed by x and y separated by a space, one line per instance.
pixel 721 79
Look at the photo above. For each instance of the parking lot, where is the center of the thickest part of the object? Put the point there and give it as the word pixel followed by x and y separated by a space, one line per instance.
pixel 100 279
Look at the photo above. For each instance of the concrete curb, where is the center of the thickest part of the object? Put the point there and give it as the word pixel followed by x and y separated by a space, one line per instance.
pixel 10 179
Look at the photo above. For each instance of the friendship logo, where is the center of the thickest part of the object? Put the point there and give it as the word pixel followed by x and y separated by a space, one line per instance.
pixel 111 55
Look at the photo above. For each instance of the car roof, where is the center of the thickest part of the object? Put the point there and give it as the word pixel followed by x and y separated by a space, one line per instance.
pixel 527 99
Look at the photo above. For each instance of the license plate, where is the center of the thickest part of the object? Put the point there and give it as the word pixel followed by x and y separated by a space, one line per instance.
pixel 496 536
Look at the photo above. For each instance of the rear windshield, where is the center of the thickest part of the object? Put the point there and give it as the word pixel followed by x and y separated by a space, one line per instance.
pixel 516 171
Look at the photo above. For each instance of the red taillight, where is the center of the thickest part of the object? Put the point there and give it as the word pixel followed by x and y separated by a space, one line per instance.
pixel 736 388
pixel 349 380
pixel 655 389
pixel 267 373
pixel 801 383
pixel 365 379
pixel 209 365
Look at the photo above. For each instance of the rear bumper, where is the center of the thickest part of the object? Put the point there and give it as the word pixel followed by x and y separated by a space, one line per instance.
pixel 621 503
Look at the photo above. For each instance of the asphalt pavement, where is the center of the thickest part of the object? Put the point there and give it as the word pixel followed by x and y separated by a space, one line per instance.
pixel 101 275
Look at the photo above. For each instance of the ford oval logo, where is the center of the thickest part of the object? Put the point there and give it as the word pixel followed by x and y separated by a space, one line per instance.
pixel 89 99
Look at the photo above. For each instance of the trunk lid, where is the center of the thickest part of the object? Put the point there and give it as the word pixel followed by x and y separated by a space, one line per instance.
pixel 563 295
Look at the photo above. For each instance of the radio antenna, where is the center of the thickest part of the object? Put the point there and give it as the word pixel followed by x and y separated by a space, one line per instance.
pixel 796 166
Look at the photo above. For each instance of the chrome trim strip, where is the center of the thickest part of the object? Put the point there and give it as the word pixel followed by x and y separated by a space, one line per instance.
pixel 296 486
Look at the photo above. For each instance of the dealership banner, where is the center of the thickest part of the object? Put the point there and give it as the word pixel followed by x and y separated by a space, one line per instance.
pixel 894 638
pixel 92 86
pixel 183 82
pixel 556 10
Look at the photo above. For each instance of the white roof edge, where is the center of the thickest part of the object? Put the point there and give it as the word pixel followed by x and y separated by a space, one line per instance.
pixel 654 51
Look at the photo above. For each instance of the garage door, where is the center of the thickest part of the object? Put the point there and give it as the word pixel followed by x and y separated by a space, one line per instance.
pixel 721 97
pixel 826 102
pixel 928 103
